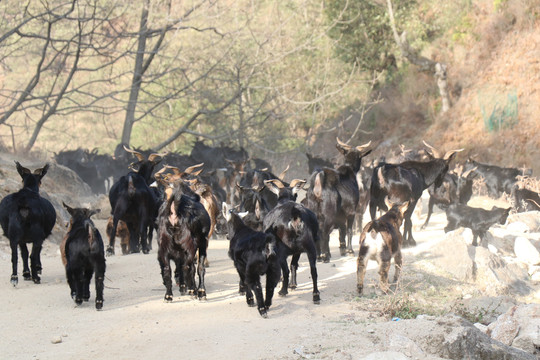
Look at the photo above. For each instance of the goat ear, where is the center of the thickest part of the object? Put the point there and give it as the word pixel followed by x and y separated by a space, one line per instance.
pixel 273 185
pixel 41 172
pixel 21 169
pixel 69 209
pixel 94 212
pixel 225 210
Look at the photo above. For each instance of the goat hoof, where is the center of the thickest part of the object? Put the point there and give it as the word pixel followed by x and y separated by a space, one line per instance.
pixel 342 251
pixel 283 293
pixel 316 298
pixel 201 294
pixel 183 290
pixel 250 302
pixel 168 298
pixel 26 275
pixel 78 301
pixel 292 286
pixel 110 250
pixel 14 280
pixel 99 304
pixel 37 280
pixel 145 251
pixel 262 311
pixel 86 298
pixel 360 289
pixel 350 252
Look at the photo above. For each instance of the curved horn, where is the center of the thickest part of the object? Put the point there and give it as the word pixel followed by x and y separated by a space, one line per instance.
pixel 192 169
pixel 174 169
pixel 468 172
pixel 362 147
pixel 282 175
pixel 434 152
pixel 275 182
pixel 451 152
pixel 342 144
pixel 136 153
pixel 297 184
pixel 154 156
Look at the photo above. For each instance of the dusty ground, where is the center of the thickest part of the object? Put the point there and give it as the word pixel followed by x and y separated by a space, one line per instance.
pixel 137 324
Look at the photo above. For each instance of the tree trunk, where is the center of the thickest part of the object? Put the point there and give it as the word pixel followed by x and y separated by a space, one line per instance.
pixel 437 69
pixel 137 76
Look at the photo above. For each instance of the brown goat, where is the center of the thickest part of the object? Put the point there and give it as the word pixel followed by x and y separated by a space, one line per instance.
pixel 122 232
pixel 381 240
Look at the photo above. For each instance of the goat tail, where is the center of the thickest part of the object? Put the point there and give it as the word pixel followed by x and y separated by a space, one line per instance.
pixel 91 230
pixel 318 186
pixel 131 187
pixel 380 176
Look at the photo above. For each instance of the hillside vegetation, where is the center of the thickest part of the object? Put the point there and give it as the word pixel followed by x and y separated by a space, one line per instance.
pixel 493 70
pixel 278 78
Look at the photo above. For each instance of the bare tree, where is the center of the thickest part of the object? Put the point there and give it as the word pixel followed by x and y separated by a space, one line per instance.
pixel 437 69
pixel 50 51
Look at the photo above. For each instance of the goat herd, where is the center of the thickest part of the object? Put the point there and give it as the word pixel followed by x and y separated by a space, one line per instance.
pixel 264 223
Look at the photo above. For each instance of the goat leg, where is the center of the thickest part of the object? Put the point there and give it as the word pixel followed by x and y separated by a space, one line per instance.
pixel 24 256
pixel 294 267
pixel 257 289
pixel 14 258
pixel 87 279
pixel 398 262
pixel 35 262
pixel 313 268
pixel 383 272
pixel 167 280
pixel 272 279
pixel 201 270
pixel 361 266
pixel 285 284
pixel 100 275
pixel 475 237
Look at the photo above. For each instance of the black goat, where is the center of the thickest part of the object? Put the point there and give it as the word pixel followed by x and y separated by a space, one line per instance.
pixel 26 217
pixel 252 201
pixel 477 219
pixel 134 202
pixel 498 180
pixel 183 225
pixel 254 254
pixel 83 254
pixel 525 199
pixel 455 188
pixel 381 240
pixel 296 229
pixel 406 182
pixel 334 196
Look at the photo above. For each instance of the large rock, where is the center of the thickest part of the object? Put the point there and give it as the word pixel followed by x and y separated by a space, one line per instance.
pixel 493 274
pixel 525 251
pixel 530 218
pixel 448 337
pixel 519 327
